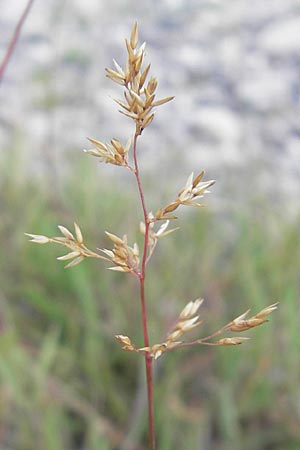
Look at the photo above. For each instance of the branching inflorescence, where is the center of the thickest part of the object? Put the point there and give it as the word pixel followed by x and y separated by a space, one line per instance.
pixel 138 104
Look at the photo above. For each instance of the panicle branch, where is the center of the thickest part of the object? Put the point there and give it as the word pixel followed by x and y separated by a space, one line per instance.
pixel 188 320
pixel 194 189
pixel 74 243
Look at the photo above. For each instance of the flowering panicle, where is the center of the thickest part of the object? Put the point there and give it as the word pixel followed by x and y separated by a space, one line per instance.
pixel 138 104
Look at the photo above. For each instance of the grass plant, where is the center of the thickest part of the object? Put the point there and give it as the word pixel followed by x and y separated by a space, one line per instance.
pixel 138 105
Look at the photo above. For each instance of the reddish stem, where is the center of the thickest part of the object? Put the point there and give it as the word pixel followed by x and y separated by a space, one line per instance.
pixel 14 39
pixel 142 275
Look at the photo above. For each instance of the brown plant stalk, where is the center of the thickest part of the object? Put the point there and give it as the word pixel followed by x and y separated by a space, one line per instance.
pixel 138 104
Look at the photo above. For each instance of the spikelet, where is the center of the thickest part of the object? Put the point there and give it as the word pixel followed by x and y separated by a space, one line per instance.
pixel 240 323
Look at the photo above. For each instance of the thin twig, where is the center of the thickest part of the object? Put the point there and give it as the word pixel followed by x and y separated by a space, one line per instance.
pixel 14 39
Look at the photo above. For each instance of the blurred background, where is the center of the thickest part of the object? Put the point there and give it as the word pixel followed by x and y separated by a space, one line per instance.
pixel 234 68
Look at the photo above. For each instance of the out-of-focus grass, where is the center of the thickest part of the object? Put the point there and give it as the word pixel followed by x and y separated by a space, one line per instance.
pixel 66 384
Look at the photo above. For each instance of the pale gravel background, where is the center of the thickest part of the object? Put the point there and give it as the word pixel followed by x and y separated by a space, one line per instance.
pixel 234 67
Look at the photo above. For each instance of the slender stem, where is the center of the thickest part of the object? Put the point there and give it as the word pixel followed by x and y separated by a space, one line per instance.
pixel 142 276
pixel 149 374
pixel 137 175
pixel 14 39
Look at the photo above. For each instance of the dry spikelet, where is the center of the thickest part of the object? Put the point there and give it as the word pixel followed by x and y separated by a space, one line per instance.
pixel 38 238
pixel 231 341
pixel 155 351
pixel 190 309
pixel 266 311
pixel 125 342
pixel 115 76
pixel 186 321
pixel 240 323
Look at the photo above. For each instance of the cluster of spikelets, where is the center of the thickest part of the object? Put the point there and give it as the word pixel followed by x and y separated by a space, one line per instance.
pixel 138 104
pixel 113 153
pixel 125 258
pixel 139 95
pixel 188 320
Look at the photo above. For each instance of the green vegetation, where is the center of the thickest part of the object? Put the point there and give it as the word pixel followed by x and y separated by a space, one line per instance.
pixel 64 381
